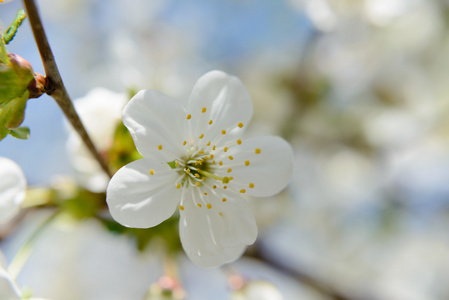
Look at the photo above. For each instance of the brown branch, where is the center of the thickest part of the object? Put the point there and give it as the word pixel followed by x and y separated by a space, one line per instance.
pixel 54 85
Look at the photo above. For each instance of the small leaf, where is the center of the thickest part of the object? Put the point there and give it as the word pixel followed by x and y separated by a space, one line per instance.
pixel 22 133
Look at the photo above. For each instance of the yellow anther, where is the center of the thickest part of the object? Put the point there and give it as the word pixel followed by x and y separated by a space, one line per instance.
pixel 199 205
pixel 197 175
pixel 230 157
pixel 205 194
pixel 225 187
pixel 225 149
pixel 181 207
pixel 213 162
pixel 258 150
pixel 251 185
pixel 209 206
pixel 184 143
pixel 176 163
pixel 198 184
pixel 240 124
pixel 188 171
pixel 208 144
pixel 159 147
pixel 203 110
pixel 189 116
pixel 151 172
pixel 246 162
pixel 220 163
pixel 223 131
pixel 214 186
pixel 204 178
pixel 224 200
pixel 211 156
pixel 201 152
pixel 213 148
pixel 201 136
pixel 239 141
pixel 231 178
pixel 225 180
pixel 220 214
pixel 229 170
pixel 242 191
pixel 178 186
pixel 210 122
pixel 207 158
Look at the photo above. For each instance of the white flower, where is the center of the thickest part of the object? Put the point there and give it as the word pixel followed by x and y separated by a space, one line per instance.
pixel 100 112
pixel 194 159
pixel 12 189
pixel 257 290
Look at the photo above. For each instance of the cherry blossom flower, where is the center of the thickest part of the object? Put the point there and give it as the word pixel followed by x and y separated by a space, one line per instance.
pixel 195 161
pixel 12 189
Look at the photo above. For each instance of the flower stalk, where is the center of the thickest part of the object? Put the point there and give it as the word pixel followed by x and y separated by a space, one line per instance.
pixel 53 82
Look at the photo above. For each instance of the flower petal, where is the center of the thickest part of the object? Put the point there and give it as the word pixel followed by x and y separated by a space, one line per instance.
pixel 138 199
pixel 8 288
pixel 12 189
pixel 156 119
pixel 216 234
pixel 222 99
pixel 262 166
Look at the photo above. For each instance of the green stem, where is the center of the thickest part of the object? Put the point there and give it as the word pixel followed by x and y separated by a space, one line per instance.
pixel 24 252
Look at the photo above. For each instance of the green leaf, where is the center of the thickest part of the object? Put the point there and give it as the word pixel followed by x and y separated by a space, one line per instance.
pixel 22 133
pixel 12 29
pixel 12 114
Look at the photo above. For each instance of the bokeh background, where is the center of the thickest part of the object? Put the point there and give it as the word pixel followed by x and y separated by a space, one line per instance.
pixel 358 87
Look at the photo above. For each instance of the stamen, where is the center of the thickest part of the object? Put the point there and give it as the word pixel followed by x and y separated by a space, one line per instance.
pixel 231 178
pixel 184 143
pixel 239 141
pixel 208 144
pixel 151 172
pixel 251 185
pixel 201 136
pixel 209 206
pixel 240 124
pixel 181 207
pixel 220 214
pixel 159 147
pixel 225 149
pixel 198 184
pixel 198 204
pixel 258 151
pixel 220 163
pixel 242 191
pixel 203 110
pixel 205 194
pixel 230 157
pixel 223 131
pixel 224 200
pixel 213 148
pixel 178 186
pixel 189 116
pixel 210 122
pixel 214 186
pixel 225 187
pixel 246 162
pixel 229 170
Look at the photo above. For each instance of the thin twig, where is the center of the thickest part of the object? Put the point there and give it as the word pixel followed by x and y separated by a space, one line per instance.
pixel 314 283
pixel 54 85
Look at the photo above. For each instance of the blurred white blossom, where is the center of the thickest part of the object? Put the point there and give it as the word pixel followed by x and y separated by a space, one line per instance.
pixel 12 189
pixel 100 111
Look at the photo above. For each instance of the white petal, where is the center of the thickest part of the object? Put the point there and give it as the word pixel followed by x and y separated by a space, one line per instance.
pixel 227 104
pixel 156 119
pixel 138 199
pixel 269 171
pixel 219 235
pixel 8 288
pixel 12 189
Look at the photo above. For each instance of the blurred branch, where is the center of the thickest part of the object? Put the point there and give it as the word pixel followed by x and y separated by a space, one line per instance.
pixel 316 284
pixel 54 85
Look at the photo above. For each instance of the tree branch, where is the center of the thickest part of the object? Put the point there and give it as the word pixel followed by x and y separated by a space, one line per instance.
pixel 54 85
